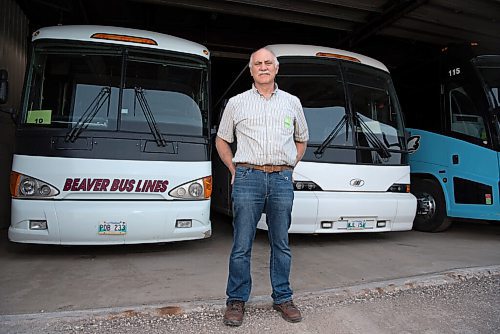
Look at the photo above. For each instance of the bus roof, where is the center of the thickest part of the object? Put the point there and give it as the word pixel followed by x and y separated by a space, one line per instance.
pixel 123 36
pixel 282 50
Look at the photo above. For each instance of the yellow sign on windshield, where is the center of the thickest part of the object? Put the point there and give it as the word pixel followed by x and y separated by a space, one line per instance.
pixel 39 117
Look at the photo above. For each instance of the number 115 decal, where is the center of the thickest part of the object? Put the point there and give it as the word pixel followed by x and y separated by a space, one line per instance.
pixel 454 71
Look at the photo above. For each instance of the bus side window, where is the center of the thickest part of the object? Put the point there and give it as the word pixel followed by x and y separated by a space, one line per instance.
pixel 464 116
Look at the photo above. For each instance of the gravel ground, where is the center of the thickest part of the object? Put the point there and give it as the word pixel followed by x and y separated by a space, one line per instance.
pixel 459 304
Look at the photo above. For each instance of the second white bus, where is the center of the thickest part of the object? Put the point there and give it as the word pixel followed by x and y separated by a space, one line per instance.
pixel 354 176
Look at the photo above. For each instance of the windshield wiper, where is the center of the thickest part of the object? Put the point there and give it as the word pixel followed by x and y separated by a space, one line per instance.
pixel 89 114
pixel 153 125
pixel 373 139
pixel 321 149
pixel 370 135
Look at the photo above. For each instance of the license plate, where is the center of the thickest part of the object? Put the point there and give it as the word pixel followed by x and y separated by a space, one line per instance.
pixel 112 228
pixel 357 224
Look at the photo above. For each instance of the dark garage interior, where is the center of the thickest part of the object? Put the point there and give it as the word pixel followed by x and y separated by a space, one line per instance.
pixel 403 34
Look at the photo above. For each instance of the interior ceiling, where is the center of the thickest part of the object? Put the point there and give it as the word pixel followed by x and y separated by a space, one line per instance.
pixel 392 30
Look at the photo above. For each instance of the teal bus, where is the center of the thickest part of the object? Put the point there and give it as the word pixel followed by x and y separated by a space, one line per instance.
pixel 455 139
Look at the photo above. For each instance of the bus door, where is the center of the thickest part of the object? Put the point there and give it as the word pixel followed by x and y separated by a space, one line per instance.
pixel 473 166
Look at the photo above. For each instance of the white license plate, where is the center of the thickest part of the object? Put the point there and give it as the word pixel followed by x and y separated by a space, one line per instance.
pixel 357 224
pixel 112 228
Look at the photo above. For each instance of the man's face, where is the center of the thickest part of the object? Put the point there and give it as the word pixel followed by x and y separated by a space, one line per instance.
pixel 263 67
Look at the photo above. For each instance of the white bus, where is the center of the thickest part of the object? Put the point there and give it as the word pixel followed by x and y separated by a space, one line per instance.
pixel 354 176
pixel 112 139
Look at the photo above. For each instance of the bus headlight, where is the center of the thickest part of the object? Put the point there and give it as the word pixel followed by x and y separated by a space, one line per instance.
pixel 194 190
pixel 24 186
pixel 306 186
pixel 399 188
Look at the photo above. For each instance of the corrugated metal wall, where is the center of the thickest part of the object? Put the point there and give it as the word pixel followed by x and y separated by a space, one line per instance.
pixel 13 53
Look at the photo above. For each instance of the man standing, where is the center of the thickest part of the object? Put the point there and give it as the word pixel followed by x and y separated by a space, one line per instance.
pixel 272 134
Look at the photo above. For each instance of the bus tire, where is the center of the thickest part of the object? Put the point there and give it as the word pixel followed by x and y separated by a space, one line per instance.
pixel 431 207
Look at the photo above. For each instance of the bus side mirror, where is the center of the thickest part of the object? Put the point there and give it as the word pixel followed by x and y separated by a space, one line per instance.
pixel 4 86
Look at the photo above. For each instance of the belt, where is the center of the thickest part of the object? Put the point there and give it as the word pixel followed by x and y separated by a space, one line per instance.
pixel 265 168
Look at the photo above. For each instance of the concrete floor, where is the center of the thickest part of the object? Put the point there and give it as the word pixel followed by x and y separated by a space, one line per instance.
pixel 53 278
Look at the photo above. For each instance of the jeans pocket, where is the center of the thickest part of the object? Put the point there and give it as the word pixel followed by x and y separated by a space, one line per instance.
pixel 286 175
pixel 241 173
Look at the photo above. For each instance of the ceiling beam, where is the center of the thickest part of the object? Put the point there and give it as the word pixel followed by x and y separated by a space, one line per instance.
pixel 419 35
pixel 374 6
pixel 65 6
pixel 394 12
pixel 484 9
pixel 251 10
pixel 320 9
pixel 456 20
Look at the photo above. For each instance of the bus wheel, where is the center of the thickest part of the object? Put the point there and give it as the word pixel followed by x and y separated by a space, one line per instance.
pixel 431 207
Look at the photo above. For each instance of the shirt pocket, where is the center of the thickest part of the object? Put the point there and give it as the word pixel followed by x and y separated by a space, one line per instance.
pixel 287 123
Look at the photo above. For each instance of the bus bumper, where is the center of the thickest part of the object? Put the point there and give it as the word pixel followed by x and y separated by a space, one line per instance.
pixel 347 212
pixel 78 222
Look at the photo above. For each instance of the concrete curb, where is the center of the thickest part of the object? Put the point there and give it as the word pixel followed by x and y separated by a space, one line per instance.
pixel 402 284
pixel 360 291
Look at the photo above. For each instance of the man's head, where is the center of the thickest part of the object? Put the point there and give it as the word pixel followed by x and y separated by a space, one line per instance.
pixel 263 66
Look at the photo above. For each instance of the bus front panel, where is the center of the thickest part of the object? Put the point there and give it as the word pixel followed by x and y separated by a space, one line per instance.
pixel 98 201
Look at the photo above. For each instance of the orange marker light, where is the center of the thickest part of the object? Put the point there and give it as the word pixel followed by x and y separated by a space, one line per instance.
pixel 334 55
pixel 124 38
pixel 207 183
pixel 15 179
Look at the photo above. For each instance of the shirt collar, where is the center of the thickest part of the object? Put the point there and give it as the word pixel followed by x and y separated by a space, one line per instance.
pixel 256 91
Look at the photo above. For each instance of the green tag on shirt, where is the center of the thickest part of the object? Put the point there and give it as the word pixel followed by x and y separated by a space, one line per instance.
pixel 288 121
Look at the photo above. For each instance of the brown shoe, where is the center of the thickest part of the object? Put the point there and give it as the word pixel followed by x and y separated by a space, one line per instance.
pixel 234 313
pixel 288 311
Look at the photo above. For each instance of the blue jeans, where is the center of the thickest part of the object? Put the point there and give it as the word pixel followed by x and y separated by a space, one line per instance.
pixel 256 192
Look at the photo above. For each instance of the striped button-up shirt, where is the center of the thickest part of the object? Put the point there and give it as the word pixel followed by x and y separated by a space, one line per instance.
pixel 265 129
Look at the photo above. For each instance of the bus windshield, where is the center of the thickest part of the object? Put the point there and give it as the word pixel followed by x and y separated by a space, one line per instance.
pixel 351 105
pixel 321 91
pixel 489 70
pixel 378 120
pixel 111 88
